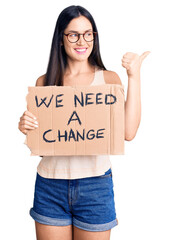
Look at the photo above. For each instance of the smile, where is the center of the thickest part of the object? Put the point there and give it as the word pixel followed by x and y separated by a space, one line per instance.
pixel 80 50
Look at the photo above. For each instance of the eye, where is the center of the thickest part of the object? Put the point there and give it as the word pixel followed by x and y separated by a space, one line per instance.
pixel 88 33
pixel 73 34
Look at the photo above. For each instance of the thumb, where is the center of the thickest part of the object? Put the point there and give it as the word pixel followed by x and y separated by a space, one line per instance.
pixel 144 55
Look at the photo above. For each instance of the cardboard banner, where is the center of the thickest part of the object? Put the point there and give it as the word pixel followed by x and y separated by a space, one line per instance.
pixel 77 120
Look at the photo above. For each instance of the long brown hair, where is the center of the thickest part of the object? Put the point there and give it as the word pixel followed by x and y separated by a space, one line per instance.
pixel 58 58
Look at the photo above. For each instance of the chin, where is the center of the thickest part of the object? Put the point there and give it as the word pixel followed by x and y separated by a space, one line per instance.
pixel 80 58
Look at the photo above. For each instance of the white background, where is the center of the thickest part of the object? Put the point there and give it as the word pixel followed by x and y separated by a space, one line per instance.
pixel 141 176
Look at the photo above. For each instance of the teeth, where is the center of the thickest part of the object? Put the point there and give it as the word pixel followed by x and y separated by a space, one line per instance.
pixel 80 50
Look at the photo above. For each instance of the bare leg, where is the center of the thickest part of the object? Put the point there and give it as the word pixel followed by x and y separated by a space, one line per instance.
pixel 80 234
pixel 47 232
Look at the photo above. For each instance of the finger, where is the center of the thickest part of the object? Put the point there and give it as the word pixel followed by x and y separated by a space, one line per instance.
pixel 125 60
pixel 25 131
pixel 25 126
pixel 26 122
pixel 144 55
pixel 125 65
pixel 25 117
pixel 29 114
pixel 128 54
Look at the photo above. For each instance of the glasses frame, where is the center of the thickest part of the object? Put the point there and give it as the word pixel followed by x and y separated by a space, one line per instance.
pixel 79 36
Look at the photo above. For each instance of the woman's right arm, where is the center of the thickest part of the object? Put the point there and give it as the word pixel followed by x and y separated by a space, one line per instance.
pixel 28 120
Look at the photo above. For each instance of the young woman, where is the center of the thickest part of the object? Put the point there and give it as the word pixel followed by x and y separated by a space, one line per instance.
pixel 74 196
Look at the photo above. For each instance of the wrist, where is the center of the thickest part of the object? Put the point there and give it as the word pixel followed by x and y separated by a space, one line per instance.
pixel 135 76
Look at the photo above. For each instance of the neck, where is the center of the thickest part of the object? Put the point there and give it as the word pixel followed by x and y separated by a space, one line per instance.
pixel 78 67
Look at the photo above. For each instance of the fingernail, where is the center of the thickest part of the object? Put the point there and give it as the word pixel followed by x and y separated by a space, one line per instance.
pixel 36 122
pixel 34 118
pixel 36 126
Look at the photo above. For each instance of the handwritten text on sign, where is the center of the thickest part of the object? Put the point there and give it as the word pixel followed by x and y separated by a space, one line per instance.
pixel 84 100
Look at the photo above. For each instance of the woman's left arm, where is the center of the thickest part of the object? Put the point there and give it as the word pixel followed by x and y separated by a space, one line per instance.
pixel 132 62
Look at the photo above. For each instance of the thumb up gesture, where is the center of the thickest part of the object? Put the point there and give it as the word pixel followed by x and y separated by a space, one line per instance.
pixel 132 62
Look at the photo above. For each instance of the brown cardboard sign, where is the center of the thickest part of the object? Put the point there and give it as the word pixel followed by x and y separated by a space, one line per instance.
pixel 77 120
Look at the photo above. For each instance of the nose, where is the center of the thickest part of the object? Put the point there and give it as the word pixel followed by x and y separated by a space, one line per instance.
pixel 81 40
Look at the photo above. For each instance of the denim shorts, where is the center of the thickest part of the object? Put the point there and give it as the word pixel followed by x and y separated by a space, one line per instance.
pixel 87 203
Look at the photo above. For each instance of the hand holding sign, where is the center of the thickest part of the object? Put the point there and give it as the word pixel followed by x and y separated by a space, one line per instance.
pixel 132 62
pixel 27 122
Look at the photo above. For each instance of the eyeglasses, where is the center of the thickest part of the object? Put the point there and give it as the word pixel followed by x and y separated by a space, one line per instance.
pixel 74 37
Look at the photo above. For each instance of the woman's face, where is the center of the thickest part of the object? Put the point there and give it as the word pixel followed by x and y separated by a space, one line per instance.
pixel 80 50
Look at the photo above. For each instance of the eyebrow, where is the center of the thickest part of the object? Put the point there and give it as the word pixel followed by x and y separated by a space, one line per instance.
pixel 77 31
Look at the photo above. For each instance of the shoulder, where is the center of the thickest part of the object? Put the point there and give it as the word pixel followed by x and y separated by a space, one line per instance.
pixel 40 80
pixel 111 77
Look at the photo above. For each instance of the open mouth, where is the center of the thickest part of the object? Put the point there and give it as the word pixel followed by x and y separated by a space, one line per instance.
pixel 80 50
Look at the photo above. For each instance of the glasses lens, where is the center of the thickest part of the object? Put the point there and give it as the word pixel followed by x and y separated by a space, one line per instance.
pixel 73 37
pixel 89 36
